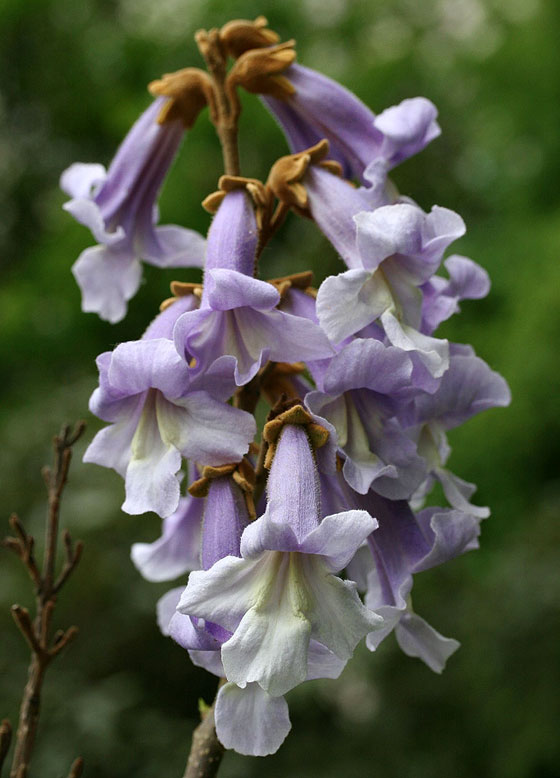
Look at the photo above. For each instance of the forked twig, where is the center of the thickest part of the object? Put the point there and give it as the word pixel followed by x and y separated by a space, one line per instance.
pixel 36 631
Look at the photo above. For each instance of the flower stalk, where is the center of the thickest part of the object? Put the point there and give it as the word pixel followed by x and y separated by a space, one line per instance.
pixel 228 106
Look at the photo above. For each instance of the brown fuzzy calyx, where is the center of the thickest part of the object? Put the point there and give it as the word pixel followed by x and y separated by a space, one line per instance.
pixel 294 281
pixel 296 414
pixel 240 35
pixel 261 195
pixel 259 71
pixel 189 91
pixel 181 289
pixel 286 175
pixel 242 474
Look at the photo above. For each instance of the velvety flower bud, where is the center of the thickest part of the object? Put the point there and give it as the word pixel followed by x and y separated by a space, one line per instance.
pixel 189 91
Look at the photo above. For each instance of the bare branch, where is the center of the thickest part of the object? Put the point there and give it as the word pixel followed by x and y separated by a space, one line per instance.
pixel 73 556
pixel 62 640
pixel 77 768
pixel 5 740
pixel 36 632
pixel 23 620
pixel 23 546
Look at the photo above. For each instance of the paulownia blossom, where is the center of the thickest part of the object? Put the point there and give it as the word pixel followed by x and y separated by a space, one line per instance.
pixel 238 314
pixel 467 388
pixel 321 108
pixel 399 247
pixel 282 593
pixel 359 394
pixel 119 207
pixel 361 389
pixel 159 413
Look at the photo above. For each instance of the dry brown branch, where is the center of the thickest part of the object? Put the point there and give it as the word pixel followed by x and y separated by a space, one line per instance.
pixel 36 631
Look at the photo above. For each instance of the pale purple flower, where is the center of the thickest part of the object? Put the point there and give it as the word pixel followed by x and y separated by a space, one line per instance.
pixel 282 593
pixel 399 248
pixel 238 314
pixel 322 108
pixel 119 207
pixel 159 413
pixel 467 388
pixel 248 719
pixel 358 394
pixel 402 545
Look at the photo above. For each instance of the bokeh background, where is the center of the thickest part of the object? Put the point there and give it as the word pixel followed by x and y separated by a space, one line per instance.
pixel 73 79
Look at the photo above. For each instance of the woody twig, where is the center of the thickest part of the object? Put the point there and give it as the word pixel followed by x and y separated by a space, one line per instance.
pixel 36 630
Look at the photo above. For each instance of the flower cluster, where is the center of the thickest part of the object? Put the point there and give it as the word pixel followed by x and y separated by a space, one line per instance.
pixel 304 539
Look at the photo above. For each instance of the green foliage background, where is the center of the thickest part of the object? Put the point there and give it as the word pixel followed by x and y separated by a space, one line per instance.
pixel 72 80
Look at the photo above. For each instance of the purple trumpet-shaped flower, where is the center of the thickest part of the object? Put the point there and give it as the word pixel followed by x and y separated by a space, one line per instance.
pixel 403 544
pixel 248 720
pixel 467 388
pixel 409 544
pixel 160 413
pixel 119 207
pixel 358 394
pixel 224 519
pixel 321 108
pixel 399 248
pixel 282 593
pixel 238 314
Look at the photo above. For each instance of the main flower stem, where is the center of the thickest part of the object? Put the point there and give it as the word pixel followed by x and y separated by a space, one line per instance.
pixel 206 750
pixel 227 104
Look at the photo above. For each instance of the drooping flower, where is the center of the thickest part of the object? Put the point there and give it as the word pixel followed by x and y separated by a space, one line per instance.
pixel 283 592
pixel 160 413
pixel 238 314
pixel 403 544
pixel 119 207
pixel 249 720
pixel 358 393
pixel 467 388
pixel 399 248
pixel 319 107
